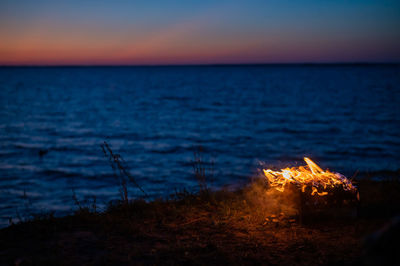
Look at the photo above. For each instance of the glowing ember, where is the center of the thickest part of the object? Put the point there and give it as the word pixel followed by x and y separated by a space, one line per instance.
pixel 310 175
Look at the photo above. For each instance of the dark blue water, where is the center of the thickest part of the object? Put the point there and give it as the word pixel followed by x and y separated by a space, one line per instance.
pixel 346 118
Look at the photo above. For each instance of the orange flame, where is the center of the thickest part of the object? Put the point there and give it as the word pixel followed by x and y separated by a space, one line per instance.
pixel 310 175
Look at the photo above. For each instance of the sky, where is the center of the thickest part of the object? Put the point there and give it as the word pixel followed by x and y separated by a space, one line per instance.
pixel 117 32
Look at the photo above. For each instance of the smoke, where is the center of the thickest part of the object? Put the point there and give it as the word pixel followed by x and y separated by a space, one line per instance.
pixel 268 201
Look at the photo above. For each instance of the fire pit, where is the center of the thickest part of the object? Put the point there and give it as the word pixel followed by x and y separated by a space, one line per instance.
pixel 321 193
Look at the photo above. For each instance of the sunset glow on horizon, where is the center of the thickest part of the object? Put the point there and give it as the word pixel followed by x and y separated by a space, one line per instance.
pixel 138 33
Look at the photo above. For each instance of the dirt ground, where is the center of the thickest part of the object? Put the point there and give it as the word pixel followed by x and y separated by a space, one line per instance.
pixel 219 228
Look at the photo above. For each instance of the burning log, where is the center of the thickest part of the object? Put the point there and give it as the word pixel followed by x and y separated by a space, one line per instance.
pixel 320 193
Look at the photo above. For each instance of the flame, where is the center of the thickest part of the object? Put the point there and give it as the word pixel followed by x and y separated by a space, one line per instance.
pixel 310 175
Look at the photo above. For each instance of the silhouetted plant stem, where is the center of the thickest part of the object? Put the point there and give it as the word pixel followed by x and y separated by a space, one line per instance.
pixel 120 172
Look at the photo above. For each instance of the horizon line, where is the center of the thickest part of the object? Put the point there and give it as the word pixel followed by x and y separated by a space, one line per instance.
pixel 206 64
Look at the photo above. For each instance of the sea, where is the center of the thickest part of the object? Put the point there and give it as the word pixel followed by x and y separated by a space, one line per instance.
pixel 159 120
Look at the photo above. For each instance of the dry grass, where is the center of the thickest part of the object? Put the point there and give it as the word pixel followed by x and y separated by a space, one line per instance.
pixel 202 173
pixel 121 173
pixel 219 227
pixel 254 225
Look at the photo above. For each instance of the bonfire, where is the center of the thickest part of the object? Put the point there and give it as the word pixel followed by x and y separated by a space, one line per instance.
pixel 308 176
